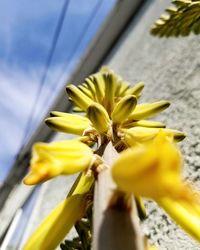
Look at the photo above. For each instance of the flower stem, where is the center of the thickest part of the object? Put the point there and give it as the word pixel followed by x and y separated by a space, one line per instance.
pixel 113 227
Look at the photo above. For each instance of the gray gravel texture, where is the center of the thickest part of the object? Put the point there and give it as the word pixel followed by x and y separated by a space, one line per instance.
pixel 170 69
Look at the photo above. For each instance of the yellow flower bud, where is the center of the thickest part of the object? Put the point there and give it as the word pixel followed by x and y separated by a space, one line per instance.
pixel 57 158
pixel 84 183
pixel 136 90
pixel 146 110
pixel 85 90
pixel 122 88
pixel 78 97
pixel 123 108
pixel 151 170
pixel 143 134
pixel 99 85
pixel 57 224
pixel 99 117
pixel 90 84
pixel 68 123
pixel 111 81
pixel 144 123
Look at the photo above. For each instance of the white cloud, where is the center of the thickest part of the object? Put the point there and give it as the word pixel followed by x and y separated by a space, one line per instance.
pixel 18 90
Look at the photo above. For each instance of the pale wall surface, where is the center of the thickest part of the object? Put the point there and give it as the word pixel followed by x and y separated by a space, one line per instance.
pixel 170 69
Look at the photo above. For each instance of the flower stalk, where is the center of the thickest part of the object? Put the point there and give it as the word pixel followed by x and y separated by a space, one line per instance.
pixel 114 227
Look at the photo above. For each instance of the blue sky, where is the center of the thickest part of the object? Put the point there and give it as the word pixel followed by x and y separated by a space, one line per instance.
pixel 26 32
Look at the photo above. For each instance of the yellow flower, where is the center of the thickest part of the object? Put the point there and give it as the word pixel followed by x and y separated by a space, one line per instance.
pixel 146 110
pixel 123 108
pixel 143 123
pixel 58 223
pixel 68 123
pixel 140 134
pixel 151 170
pixel 111 86
pixel 109 90
pixel 78 97
pixel 136 90
pixel 99 86
pixel 57 158
pixel 99 117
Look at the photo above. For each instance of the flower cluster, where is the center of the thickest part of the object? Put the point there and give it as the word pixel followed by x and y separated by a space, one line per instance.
pixel 149 163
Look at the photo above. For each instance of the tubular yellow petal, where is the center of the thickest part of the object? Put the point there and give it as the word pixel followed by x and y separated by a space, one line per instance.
pixel 136 90
pixel 123 108
pixel 70 123
pixel 110 80
pixel 185 216
pixel 82 184
pixel 78 97
pixel 62 157
pixel 99 117
pixel 145 123
pixel 122 88
pixel 86 91
pixel 57 224
pixel 105 69
pixel 33 178
pixel 140 134
pixel 58 114
pixel 151 170
pixel 143 134
pixel 67 115
pixel 90 84
pixel 77 110
pixel 99 85
pixel 41 172
pixel 85 183
pixel 146 110
pixel 178 135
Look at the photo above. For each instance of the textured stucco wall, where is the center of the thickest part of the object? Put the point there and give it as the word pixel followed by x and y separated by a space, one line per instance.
pixel 170 69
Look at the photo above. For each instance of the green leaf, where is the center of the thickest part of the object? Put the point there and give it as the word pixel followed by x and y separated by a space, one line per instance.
pixel 181 19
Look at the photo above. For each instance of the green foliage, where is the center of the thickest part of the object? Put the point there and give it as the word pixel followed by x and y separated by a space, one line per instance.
pixel 180 20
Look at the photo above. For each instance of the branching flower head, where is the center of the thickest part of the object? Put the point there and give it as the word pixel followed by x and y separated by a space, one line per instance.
pixel 149 163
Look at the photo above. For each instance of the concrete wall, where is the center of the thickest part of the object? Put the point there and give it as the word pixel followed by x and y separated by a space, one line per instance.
pixel 170 69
